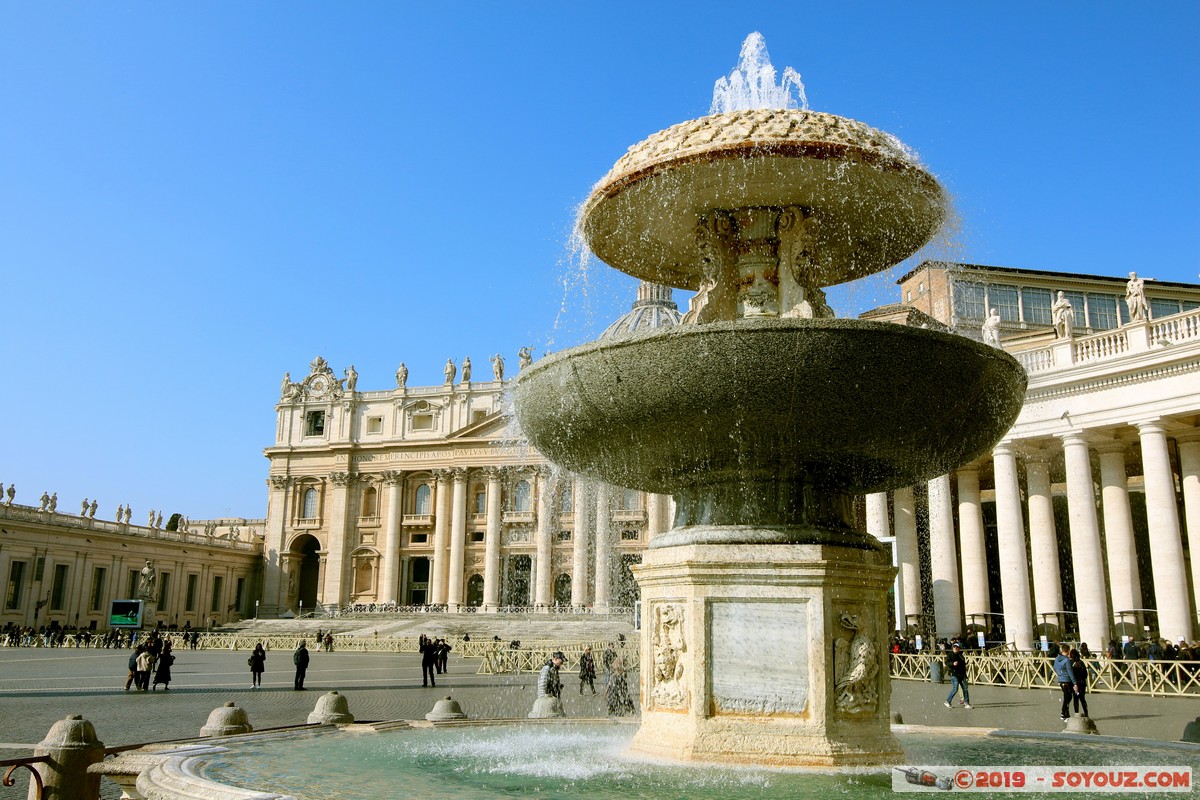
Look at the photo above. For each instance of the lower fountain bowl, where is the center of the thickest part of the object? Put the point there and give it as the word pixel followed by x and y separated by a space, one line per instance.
pixel 836 406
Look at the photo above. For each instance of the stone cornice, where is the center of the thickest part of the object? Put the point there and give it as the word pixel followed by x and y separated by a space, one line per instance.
pixel 1084 385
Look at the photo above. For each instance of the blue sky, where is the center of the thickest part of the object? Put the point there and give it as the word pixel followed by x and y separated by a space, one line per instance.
pixel 198 197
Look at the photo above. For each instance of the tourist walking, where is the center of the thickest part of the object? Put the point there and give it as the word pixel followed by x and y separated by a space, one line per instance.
pixel 616 692
pixel 329 642
pixel 548 683
pixel 430 653
pixel 300 659
pixel 144 661
pixel 258 664
pixel 609 656
pixel 956 664
pixel 162 669
pixel 132 677
pixel 1066 681
pixel 587 670
pixel 1079 671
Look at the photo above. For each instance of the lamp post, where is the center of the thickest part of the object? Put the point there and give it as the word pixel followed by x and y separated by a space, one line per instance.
pixel 256 609
pixel 301 610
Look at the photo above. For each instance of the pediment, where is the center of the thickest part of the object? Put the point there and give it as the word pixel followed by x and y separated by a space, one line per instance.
pixel 493 426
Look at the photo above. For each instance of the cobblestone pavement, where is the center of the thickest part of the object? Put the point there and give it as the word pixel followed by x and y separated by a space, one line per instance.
pixel 40 686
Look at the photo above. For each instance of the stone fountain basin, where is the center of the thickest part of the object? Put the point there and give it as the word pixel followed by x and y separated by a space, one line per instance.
pixel 844 405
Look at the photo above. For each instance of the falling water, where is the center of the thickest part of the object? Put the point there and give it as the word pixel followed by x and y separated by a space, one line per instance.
pixel 752 83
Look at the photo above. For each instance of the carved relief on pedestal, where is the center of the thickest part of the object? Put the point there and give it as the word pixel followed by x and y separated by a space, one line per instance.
pixel 855 665
pixel 669 687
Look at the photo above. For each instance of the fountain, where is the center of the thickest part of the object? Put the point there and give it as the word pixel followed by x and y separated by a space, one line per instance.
pixel 764 416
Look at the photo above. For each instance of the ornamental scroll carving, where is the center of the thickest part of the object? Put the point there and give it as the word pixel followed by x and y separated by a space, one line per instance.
pixel 856 665
pixel 669 676
pixel 279 481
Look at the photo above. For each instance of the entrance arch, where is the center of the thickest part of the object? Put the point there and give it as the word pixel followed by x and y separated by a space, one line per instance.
pixel 475 591
pixel 418 585
pixel 562 590
pixel 307 548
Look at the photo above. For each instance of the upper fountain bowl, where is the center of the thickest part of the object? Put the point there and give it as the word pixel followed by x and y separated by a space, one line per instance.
pixel 874 205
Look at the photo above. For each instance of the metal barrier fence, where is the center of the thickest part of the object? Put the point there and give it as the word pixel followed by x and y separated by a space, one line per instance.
pixel 1033 671
pixel 499 660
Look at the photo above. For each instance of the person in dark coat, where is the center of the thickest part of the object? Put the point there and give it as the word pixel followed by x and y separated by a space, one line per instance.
pixel 1066 681
pixel 300 659
pixel 430 653
pixel 443 655
pixel 162 669
pixel 587 670
pixel 1080 671
pixel 616 693
pixel 258 665
pixel 956 664
pixel 129 681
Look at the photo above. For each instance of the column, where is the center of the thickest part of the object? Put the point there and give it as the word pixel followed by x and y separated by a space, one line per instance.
pixel 1189 468
pixel 1124 583
pixel 458 539
pixel 1043 540
pixel 879 526
pixel 1014 559
pixel 943 559
pixel 1091 595
pixel 391 543
pixel 579 542
pixel 603 548
pixel 543 594
pixel 656 523
pixel 1166 549
pixel 906 552
pixel 441 520
pixel 972 554
pixel 337 588
pixel 277 514
pixel 491 557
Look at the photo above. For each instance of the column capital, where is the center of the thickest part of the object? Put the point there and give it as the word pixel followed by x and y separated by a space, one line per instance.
pixel 1154 425
pixel 393 477
pixel 458 474
pixel 279 481
pixel 970 466
pixel 342 478
pixel 494 473
pixel 1070 438
pixel 1006 447
pixel 441 473
pixel 1111 446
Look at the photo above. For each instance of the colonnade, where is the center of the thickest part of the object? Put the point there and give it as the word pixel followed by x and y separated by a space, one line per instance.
pixel 1104 563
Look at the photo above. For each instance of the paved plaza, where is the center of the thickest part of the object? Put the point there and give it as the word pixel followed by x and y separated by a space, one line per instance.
pixel 39 686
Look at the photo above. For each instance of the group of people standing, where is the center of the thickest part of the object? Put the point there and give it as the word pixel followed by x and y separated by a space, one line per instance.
pixel 435 654
pixel 152 657
pixel 1072 674
pixel 616 681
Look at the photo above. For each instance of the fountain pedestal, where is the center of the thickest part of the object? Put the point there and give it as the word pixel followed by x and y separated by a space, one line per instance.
pixel 766 654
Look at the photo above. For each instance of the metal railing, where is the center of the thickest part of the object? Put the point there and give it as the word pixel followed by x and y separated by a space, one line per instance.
pixel 499 659
pixel 14 764
pixel 1034 671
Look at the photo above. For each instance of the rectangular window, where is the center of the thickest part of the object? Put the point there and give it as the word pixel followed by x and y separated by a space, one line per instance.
pixel 1035 306
pixel 969 300
pixel 1190 305
pixel 16 581
pixel 1079 307
pixel 374 424
pixel 478 416
pixel 629 535
pixel 218 582
pixel 564 536
pixel 131 585
pixel 476 536
pixel 239 594
pixel 422 422
pixel 1163 308
pixel 191 592
pixel 314 423
pixel 99 578
pixel 1102 311
pixel 58 590
pixel 1005 300
pixel 480 502
pixel 164 591
pixel 419 538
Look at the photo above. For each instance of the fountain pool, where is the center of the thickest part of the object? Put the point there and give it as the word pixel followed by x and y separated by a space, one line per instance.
pixel 590 760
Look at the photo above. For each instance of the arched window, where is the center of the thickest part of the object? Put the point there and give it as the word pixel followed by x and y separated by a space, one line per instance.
pixel 522 499
pixel 631 500
pixel 480 502
pixel 566 500
pixel 423 499
pixel 370 502
pixel 310 503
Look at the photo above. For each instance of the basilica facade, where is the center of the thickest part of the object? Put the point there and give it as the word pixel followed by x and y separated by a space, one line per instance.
pixel 422 496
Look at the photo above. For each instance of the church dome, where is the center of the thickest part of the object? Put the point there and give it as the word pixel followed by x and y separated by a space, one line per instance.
pixel 653 309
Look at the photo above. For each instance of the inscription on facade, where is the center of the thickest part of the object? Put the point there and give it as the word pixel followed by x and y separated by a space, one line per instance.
pixel 778 684
pixel 426 455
